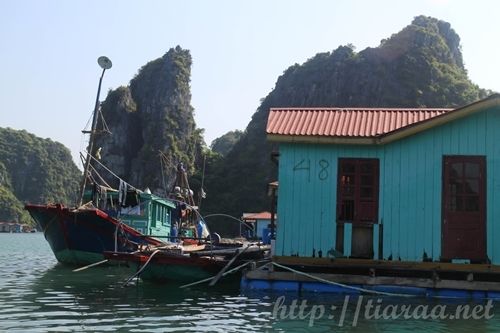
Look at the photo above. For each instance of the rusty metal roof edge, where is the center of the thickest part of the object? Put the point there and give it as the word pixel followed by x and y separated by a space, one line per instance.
pixel 321 139
pixel 449 115
pixel 422 109
pixel 491 101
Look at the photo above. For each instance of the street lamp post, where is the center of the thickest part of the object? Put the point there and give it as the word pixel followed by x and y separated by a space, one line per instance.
pixel 104 63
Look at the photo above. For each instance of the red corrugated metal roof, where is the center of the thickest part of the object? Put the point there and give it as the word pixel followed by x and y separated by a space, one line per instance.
pixel 257 216
pixel 345 122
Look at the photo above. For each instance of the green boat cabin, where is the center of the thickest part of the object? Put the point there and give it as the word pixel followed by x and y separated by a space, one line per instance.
pixel 145 212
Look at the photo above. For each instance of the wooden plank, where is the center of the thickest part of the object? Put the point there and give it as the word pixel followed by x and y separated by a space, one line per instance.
pixel 312 190
pixel 420 183
pixel 293 239
pixel 456 144
pixel 281 201
pixel 347 239
pixel 492 186
pixel 396 208
pixel 376 236
pixel 386 192
pixel 472 142
pixel 317 240
pixel 413 219
pixel 285 200
pixel 287 190
pixel 427 193
pixel 381 197
pixel 386 264
pixel 305 204
pixel 404 207
pixel 377 280
pixel 224 269
pixel 329 202
pixel 436 188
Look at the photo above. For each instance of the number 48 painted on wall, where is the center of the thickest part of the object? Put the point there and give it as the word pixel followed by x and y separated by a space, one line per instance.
pixel 305 165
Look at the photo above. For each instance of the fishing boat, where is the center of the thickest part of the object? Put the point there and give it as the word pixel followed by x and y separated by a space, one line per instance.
pixel 79 235
pixel 191 263
pixel 104 219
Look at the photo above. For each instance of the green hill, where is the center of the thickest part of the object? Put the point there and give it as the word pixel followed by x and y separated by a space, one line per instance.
pixel 226 142
pixel 33 170
pixel 420 66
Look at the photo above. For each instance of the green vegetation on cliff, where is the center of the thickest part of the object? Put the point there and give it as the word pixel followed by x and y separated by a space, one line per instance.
pixel 226 142
pixel 421 66
pixel 152 117
pixel 33 170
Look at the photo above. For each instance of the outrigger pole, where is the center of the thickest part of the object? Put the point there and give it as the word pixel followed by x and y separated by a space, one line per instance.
pixel 104 63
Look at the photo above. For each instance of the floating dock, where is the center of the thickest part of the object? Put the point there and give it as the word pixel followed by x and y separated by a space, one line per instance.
pixel 390 278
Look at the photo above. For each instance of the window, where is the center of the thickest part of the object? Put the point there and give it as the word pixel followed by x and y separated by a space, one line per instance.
pixel 357 190
pixel 463 186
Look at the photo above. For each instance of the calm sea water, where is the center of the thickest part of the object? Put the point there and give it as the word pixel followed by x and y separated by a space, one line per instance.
pixel 39 295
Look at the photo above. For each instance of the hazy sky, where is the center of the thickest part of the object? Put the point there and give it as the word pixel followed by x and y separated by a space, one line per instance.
pixel 48 51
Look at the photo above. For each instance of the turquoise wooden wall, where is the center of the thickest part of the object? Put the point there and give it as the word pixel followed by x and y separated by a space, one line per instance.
pixel 410 189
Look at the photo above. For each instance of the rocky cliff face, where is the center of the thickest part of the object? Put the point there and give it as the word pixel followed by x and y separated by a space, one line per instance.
pixel 150 118
pixel 419 66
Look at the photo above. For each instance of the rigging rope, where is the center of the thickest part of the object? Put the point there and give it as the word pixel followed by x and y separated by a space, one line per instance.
pixel 100 177
pixel 105 127
pixel 111 172
pixel 202 191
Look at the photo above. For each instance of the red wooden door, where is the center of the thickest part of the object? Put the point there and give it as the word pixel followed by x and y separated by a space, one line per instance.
pixel 357 203
pixel 464 208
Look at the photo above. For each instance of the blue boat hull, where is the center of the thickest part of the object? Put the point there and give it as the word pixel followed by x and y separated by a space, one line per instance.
pixel 80 236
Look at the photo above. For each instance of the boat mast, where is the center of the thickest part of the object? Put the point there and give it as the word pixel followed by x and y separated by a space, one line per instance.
pixel 104 63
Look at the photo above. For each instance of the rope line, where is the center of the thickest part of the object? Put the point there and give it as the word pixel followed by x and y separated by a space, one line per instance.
pixel 141 269
pixel 100 177
pixel 338 284
pixel 211 278
pixel 363 290
pixel 232 217
pixel 111 172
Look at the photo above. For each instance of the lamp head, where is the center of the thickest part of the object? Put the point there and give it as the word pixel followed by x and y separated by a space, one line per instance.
pixel 104 62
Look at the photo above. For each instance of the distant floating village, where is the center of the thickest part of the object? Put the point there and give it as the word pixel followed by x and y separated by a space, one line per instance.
pixel 15 227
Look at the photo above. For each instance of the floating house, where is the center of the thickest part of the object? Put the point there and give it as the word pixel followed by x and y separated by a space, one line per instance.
pixel 389 187
pixel 259 223
pixel 12 227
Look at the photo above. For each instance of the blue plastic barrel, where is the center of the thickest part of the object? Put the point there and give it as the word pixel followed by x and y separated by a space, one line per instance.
pixel 266 236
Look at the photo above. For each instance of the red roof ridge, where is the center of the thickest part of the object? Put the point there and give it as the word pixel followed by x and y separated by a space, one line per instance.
pixel 265 215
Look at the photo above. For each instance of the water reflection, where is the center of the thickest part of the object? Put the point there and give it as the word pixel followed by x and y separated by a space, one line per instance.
pixel 38 295
pixel 94 300
pixel 341 313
